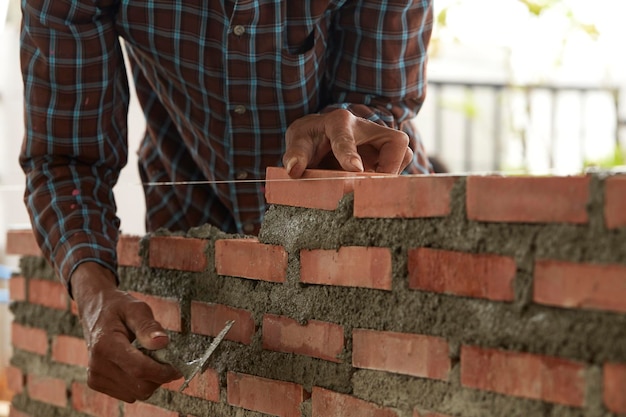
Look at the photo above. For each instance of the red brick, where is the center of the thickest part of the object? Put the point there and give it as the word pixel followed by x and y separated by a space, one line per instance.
pixel 51 294
pixel 350 266
pixel 416 413
pixel 139 409
pixel 615 201
pixel 247 258
pixel 528 199
pixel 30 339
pixel 22 242
pixel 180 253
pixel 165 310
pixel 403 196
pixel 88 401
pixel 278 398
pixel 70 350
pixel 15 379
pixel 317 338
pixel 17 288
pixel 465 274
pixel 327 403
pixel 48 390
pixel 614 383
pixel 525 375
pixel 317 189
pixel 128 251
pixel 209 319
pixel 402 353
pixel 13 412
pixel 588 286
pixel 205 385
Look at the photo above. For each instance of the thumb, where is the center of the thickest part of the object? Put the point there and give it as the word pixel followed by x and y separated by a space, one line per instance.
pixel 148 332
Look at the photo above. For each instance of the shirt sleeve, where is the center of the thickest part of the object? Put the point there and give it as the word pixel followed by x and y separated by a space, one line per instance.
pixel 377 64
pixel 76 102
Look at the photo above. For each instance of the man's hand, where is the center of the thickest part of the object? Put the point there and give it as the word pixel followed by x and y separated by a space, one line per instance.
pixel 111 320
pixel 340 140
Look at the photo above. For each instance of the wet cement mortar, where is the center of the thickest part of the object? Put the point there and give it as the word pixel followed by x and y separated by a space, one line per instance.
pixel 592 337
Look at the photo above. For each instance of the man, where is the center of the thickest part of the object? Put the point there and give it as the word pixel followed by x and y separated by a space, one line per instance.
pixel 228 88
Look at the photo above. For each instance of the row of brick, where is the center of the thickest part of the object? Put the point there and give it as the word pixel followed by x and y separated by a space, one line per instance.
pixel 520 199
pixel 518 374
pixel 279 398
pixel 487 276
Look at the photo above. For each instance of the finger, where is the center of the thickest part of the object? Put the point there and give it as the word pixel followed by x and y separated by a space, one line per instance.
pixel 116 383
pixel 128 360
pixel 297 157
pixel 393 147
pixel 140 321
pixel 408 157
pixel 307 145
pixel 341 135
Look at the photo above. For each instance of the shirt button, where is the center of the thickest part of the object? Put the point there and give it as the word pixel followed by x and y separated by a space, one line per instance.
pixel 240 109
pixel 239 30
pixel 248 227
pixel 241 175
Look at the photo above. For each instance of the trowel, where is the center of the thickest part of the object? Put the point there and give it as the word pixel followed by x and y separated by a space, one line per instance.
pixel 188 369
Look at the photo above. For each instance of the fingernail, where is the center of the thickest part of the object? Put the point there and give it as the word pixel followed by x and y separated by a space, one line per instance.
pixel 290 165
pixel 356 162
pixel 158 333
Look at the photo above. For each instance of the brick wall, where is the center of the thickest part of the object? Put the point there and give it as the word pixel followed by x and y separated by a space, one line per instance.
pixel 366 297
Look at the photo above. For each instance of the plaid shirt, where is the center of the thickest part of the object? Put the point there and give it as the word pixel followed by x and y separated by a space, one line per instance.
pixel 219 83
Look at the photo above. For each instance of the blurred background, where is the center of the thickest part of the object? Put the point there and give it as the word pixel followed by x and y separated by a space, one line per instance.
pixel 515 86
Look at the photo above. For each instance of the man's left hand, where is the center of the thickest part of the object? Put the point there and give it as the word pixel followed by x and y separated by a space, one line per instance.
pixel 341 140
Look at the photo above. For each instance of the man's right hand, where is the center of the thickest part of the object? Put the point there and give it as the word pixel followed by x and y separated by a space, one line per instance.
pixel 111 320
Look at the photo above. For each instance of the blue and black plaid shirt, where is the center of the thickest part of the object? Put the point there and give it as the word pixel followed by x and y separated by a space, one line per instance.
pixel 219 82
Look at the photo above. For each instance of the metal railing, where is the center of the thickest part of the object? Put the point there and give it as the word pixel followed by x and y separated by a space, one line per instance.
pixel 474 126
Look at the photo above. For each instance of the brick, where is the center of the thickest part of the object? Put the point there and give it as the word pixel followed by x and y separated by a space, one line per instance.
pixel 403 196
pixel 526 375
pixel 205 385
pixel 317 189
pixel 15 379
pixel 48 390
pixel 128 251
pixel 179 253
pixel 615 201
pixel 51 294
pixel 528 199
pixel 350 266
pixel 587 286
pixel 464 274
pixel 30 339
pixel 88 401
pixel 70 350
pixel 165 310
pixel 17 288
pixel 22 242
pixel 209 319
pixel 278 398
pixel 326 403
pixel 14 412
pixel 417 413
pixel 317 339
pixel 139 409
pixel 614 383
pixel 247 258
pixel 402 353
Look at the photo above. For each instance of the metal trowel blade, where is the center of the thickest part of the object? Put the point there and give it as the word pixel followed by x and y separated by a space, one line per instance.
pixel 200 363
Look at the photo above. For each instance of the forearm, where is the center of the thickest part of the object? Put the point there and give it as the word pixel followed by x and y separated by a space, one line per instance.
pixel 379 60
pixel 75 97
